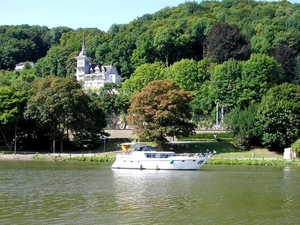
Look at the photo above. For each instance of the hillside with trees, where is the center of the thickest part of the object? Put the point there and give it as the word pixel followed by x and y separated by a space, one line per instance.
pixel 236 53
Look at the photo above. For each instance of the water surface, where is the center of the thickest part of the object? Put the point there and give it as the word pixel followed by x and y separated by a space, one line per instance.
pixel 92 193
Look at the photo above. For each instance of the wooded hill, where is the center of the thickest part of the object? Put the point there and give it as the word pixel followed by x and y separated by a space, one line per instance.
pixel 231 51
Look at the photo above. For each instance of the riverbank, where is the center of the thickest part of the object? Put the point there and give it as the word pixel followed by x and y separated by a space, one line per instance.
pixel 59 156
pixel 110 157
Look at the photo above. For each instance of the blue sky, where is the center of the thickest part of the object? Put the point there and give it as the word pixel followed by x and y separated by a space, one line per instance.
pixel 75 14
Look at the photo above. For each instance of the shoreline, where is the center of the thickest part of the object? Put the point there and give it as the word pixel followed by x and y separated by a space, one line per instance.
pixel 51 156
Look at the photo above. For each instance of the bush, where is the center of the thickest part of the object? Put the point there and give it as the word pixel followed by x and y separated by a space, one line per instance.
pixel 209 136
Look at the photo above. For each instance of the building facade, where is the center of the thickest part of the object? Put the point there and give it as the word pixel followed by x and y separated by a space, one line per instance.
pixel 21 65
pixel 92 75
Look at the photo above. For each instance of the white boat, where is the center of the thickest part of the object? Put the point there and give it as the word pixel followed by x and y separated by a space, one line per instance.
pixel 141 156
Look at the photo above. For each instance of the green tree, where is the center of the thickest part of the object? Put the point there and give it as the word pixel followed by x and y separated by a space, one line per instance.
pixel 296 79
pixel 12 105
pixel 59 61
pixel 278 116
pixel 160 110
pixel 296 146
pixel 259 74
pixel 109 100
pixel 242 124
pixel 144 52
pixel 165 43
pixel 225 84
pixel 60 105
pixel 259 44
pixel 185 73
pixel 143 75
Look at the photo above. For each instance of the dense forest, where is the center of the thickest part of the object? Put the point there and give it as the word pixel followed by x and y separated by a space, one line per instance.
pixel 242 55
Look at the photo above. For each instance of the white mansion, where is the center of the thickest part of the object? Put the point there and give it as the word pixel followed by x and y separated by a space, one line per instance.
pixel 93 75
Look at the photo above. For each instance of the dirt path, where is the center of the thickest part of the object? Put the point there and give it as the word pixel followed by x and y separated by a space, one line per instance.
pixel 265 151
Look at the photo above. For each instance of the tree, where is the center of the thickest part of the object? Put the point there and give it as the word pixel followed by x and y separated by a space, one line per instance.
pixel 242 124
pixel 60 105
pixel 259 44
pixel 142 76
pixel 12 105
pixel 296 146
pixel 166 44
pixel 59 61
pixel 278 116
pixel 286 59
pixel 296 79
pixel 225 84
pixel 259 74
pixel 144 52
pixel 109 100
pixel 224 42
pixel 185 73
pixel 160 110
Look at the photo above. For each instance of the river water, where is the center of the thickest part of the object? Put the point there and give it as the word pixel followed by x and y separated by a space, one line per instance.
pixel 91 193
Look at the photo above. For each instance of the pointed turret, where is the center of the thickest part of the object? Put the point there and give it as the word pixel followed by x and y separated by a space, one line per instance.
pixel 83 61
pixel 83 50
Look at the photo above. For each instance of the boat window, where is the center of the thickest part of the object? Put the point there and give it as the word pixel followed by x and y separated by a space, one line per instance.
pixel 148 148
pixel 143 148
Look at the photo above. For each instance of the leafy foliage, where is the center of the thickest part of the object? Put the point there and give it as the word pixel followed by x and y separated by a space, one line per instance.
pixel 296 146
pixel 204 47
pixel 225 84
pixel 160 110
pixel 111 103
pixel 224 42
pixel 13 100
pixel 61 105
pixel 242 125
pixel 278 116
pixel 259 73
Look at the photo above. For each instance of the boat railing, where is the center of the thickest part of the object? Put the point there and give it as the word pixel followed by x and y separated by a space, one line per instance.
pixel 195 155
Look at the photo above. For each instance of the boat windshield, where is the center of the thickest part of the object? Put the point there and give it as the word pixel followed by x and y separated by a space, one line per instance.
pixel 143 148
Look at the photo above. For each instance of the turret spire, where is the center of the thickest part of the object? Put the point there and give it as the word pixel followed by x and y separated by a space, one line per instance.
pixel 83 50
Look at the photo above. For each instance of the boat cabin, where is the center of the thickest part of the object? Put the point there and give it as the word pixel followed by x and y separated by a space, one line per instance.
pixel 160 155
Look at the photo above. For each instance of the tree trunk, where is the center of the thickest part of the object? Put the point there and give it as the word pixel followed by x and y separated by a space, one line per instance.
pixel 61 145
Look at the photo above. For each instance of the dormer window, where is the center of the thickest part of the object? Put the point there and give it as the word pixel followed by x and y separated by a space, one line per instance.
pixel 97 69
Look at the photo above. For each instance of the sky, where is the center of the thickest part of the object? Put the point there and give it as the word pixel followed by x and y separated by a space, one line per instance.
pixel 76 14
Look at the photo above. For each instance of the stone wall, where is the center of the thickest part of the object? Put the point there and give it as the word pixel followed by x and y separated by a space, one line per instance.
pixel 121 133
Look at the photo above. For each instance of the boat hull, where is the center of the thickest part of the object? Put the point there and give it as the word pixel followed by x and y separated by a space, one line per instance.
pixel 172 163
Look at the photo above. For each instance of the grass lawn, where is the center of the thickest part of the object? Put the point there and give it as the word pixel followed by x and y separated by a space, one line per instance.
pixel 202 146
pixel 223 149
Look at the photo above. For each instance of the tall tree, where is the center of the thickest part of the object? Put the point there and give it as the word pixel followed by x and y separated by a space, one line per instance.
pixel 242 124
pixel 160 110
pixel 225 84
pixel 185 73
pixel 143 75
pixel 278 116
pixel 60 105
pixel 259 73
pixel 109 100
pixel 12 105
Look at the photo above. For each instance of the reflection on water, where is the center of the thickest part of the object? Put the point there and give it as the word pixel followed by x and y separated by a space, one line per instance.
pixel 92 193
